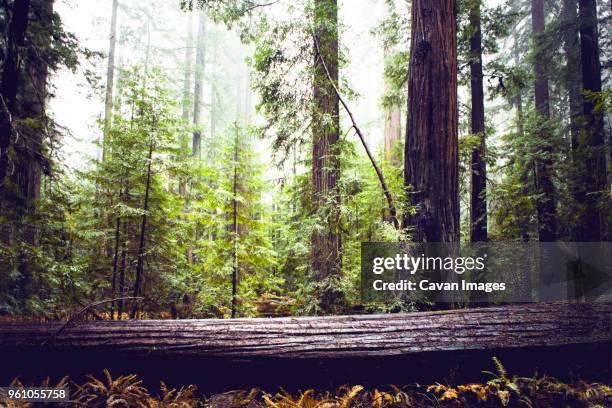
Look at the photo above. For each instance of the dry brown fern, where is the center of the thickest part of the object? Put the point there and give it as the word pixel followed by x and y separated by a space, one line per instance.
pixel 185 397
pixel 124 391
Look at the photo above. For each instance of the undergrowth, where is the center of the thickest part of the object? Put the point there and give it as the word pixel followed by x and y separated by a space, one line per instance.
pixel 502 390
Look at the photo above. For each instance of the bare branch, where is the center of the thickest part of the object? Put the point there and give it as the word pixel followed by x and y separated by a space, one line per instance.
pixel 379 173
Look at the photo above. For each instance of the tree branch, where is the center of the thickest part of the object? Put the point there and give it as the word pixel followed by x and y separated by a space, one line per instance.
pixel 83 310
pixel 379 173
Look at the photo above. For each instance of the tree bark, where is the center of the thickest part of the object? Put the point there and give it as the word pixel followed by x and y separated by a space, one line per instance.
pixel 326 249
pixel 546 203
pixel 503 327
pixel 430 155
pixel 478 203
pixel 32 127
pixel 110 76
pixel 15 37
pixel 593 224
pixel 379 174
pixel 572 81
pixel 393 127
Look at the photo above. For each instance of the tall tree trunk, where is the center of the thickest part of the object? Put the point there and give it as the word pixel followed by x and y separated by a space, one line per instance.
pixel 326 243
pixel 143 227
pixel 572 82
pixel 213 97
pixel 187 90
pixel 546 203
pixel 431 157
pixel 196 149
pixel 32 127
pixel 572 77
pixel 593 223
pixel 29 148
pixel 478 203
pixel 235 226
pixel 187 73
pixel 110 76
pixel 199 85
pixel 108 101
pixel 15 35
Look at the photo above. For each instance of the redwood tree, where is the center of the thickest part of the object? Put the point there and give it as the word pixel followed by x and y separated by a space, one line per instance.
pixel 431 157
pixel 478 203
pixel 546 202
pixel 591 145
pixel 31 123
pixel 326 240
pixel 14 40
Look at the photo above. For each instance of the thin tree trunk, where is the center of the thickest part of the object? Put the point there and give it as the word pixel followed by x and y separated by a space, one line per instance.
pixel 478 203
pixel 110 77
pixel 196 149
pixel 15 36
pixel 199 85
pixel 115 265
pixel 143 226
pixel 122 273
pixel 393 127
pixel 518 100
pixel 213 98
pixel 235 226
pixel 594 180
pixel 326 243
pixel 186 90
pixel 546 203
pixel 431 156
pixel 187 80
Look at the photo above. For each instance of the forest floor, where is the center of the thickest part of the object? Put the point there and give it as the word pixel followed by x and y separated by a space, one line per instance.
pixel 500 389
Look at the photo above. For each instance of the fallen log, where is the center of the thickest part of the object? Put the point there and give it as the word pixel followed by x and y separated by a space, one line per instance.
pixel 503 327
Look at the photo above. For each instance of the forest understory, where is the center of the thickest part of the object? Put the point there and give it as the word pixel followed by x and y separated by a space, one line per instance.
pixel 499 389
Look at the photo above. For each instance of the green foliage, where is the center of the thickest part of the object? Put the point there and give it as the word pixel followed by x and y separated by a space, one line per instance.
pixel 88 223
